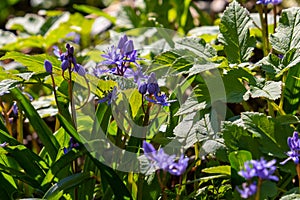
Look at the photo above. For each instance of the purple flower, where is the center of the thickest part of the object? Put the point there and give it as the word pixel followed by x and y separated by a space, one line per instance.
pixel 259 168
pixel 75 37
pixel 153 87
pixel 110 97
pixel 142 88
pixel 266 2
pixel 4 144
pixel 264 169
pixel 163 161
pixel 247 190
pixel 72 144
pixel 15 108
pixel 48 66
pixel 68 60
pixel 249 172
pixel 160 99
pixel 179 167
pixel 294 153
pixel 121 56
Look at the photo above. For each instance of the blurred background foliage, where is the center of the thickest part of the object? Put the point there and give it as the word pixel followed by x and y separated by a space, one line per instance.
pixel 180 15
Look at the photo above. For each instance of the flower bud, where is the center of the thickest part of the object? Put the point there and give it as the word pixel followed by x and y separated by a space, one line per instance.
pixel 143 88
pixel 48 66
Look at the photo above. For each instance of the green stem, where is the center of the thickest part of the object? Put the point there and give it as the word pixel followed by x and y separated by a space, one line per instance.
pixel 284 76
pixel 263 29
pixel 258 189
pixel 20 127
pixel 70 90
pixel 6 117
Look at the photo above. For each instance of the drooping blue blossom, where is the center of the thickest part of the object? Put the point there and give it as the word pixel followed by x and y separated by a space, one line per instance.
pixel 111 96
pixel 48 66
pixel 142 88
pixel 160 160
pixel 247 190
pixel 179 167
pixel 161 100
pixel 266 2
pixel 68 60
pixel 72 144
pixel 294 144
pixel 152 86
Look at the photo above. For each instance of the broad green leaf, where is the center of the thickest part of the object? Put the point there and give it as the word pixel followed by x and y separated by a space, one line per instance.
pixel 94 10
pixel 107 173
pixel 191 105
pixel 235 35
pixel 38 124
pixel 287 32
pixel 34 63
pixel 291 90
pixel 56 191
pixel 270 90
pixel 268 189
pixel 225 169
pixel 238 158
pixel 135 101
pixel 196 45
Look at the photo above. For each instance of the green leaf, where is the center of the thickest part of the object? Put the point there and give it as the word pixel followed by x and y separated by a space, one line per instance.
pixel 56 191
pixel 291 90
pixel 198 46
pixel 107 173
pixel 287 33
pixel 238 158
pixel 34 63
pixel 270 90
pixel 225 169
pixel 43 131
pixel 235 34
pixel 94 10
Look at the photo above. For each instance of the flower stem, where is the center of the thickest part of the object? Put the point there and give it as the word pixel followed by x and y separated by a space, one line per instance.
pixel 298 173
pixel 258 189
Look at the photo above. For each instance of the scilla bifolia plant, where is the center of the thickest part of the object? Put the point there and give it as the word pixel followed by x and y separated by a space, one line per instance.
pixel 207 119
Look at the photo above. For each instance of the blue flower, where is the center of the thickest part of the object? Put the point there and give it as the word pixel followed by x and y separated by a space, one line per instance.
pixel 179 167
pixel 259 168
pixel 266 2
pixel 247 190
pixel 163 161
pixel 4 144
pixel 112 57
pixel 160 99
pixel 48 66
pixel 294 153
pixel 110 97
pixel 249 172
pixel 72 144
pixel 152 86
pixel 264 169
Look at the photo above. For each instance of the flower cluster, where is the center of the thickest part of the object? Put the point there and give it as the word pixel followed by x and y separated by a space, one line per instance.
pixel 68 60
pixel 163 161
pixel 120 57
pixel 266 2
pixel 294 144
pixel 256 168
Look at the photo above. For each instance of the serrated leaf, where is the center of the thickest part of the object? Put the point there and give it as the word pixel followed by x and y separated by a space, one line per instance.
pixel 287 32
pixel 271 90
pixel 191 105
pixel 235 34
